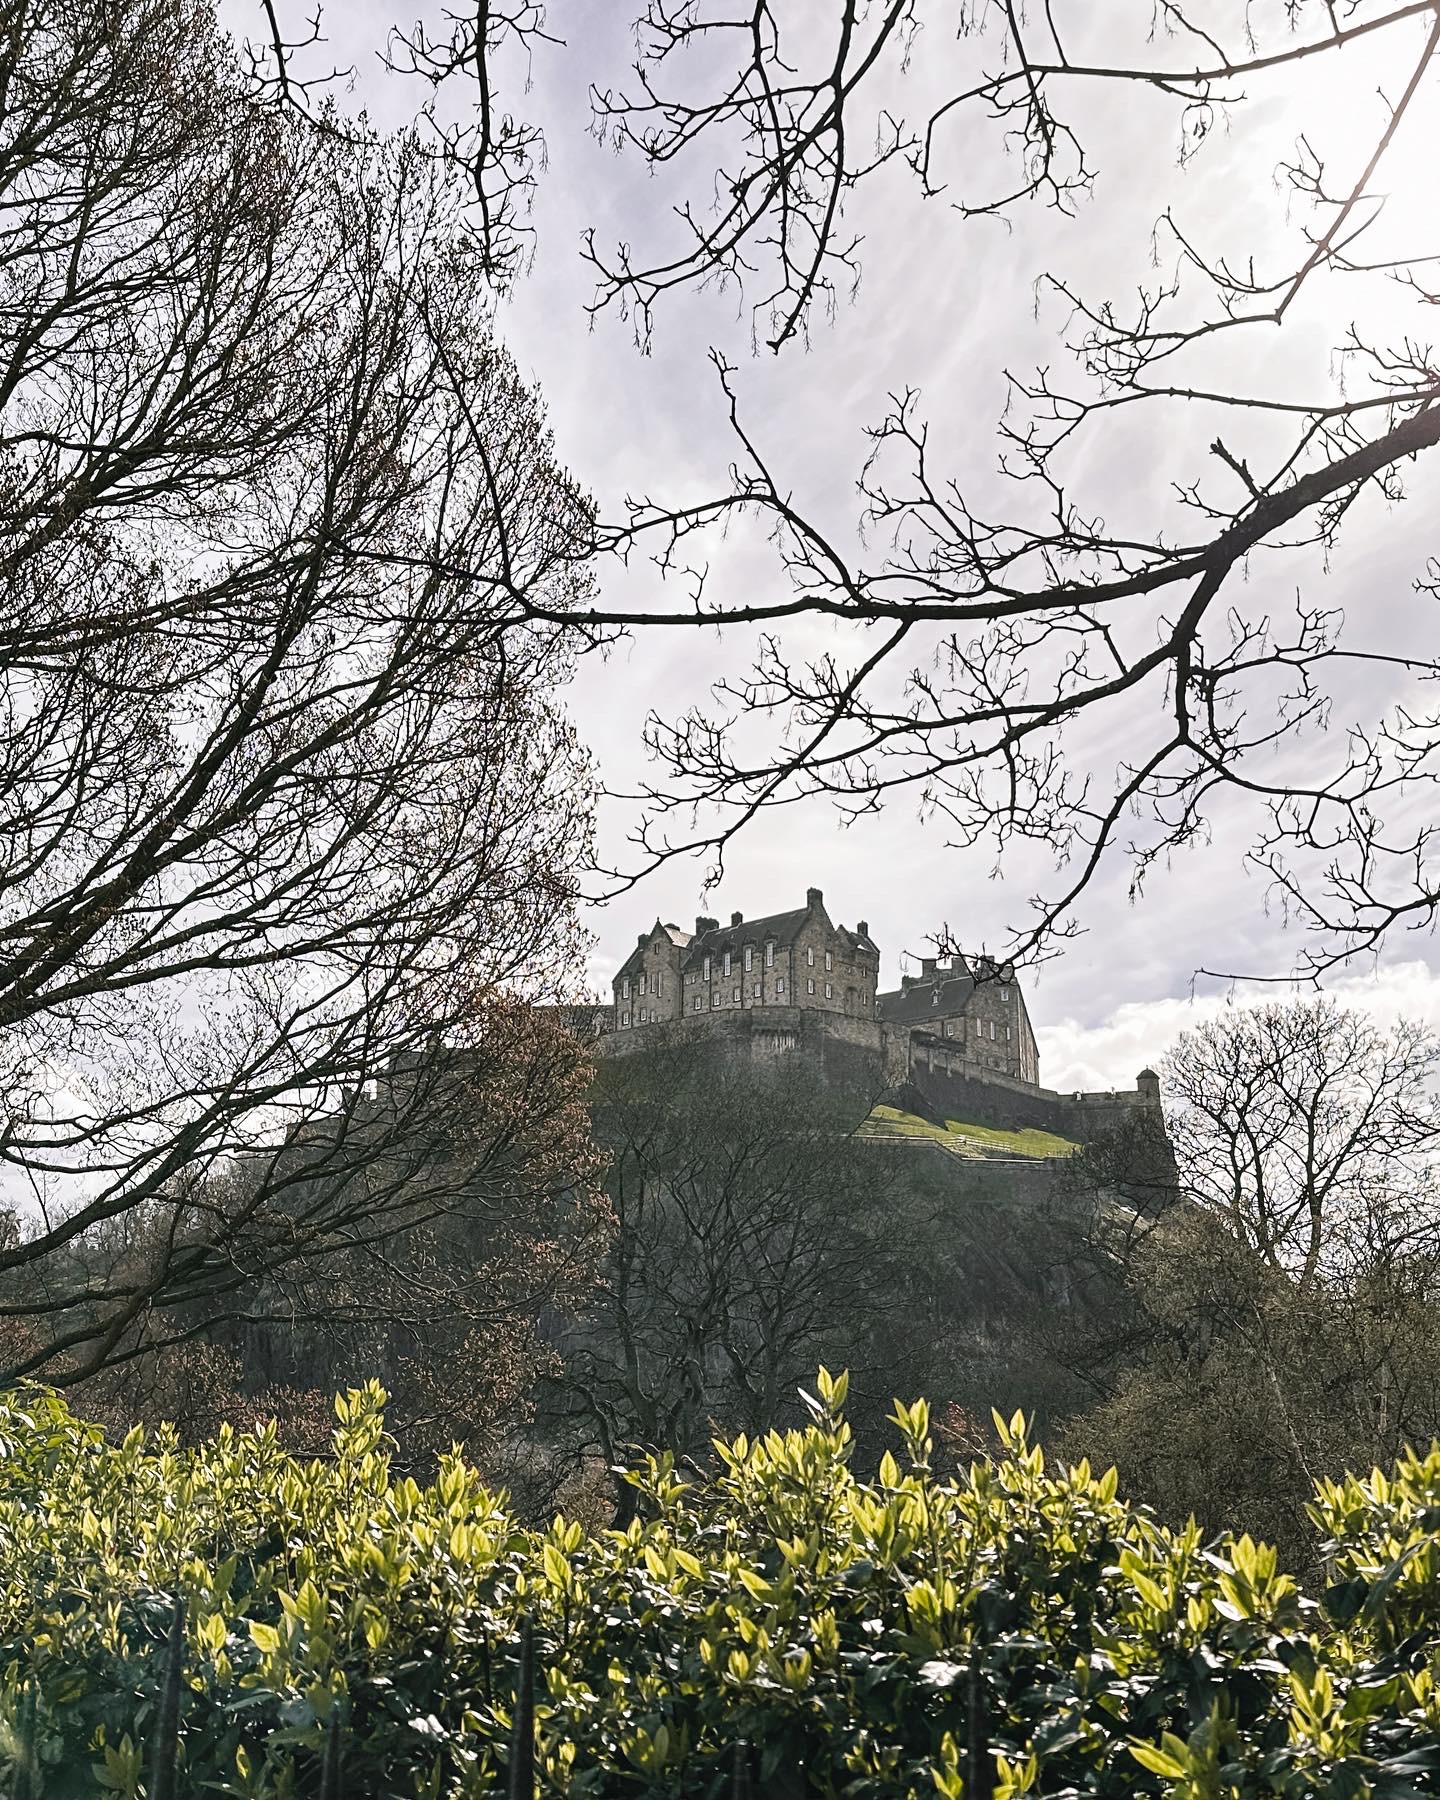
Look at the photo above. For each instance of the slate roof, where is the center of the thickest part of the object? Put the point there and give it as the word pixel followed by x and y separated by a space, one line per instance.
pixel 937 999
pixel 781 928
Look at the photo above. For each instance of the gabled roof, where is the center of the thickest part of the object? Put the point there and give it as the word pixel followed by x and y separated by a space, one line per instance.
pixel 637 956
pixel 862 940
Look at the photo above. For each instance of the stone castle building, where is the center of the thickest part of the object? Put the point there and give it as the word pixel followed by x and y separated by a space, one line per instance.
pixel 797 983
pixel 791 959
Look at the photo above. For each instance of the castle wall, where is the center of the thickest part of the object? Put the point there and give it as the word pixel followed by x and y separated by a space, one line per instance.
pixel 848 1051
pixel 954 1090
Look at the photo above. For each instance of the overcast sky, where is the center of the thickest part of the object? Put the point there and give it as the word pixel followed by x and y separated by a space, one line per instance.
pixel 944 305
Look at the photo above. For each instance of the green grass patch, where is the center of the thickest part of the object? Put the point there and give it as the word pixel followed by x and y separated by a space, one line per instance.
pixel 963 1139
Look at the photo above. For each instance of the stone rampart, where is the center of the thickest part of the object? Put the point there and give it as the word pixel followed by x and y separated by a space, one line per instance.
pixel 951 1090
pixel 847 1051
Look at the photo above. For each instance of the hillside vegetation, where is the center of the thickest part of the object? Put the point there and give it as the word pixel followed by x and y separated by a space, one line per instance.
pixel 964 1139
pixel 226 1619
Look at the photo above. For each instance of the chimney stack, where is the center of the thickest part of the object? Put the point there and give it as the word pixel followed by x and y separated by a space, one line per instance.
pixel 814 898
pixel 703 925
pixel 927 967
pixel 737 919
pixel 862 929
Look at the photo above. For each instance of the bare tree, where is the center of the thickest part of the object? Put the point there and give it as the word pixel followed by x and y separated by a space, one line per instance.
pixel 987 633
pixel 1278 1322
pixel 285 800
pixel 743 1249
pixel 1312 1132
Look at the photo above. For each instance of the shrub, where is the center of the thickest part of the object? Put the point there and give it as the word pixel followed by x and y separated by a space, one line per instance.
pixel 325 1628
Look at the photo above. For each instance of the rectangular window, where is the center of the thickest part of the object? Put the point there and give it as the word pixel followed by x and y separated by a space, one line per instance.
pixel 642 984
pixel 992 1031
pixel 770 956
pixel 1007 1034
pixel 829 961
pixel 727 963
pixel 642 1015
pixel 754 990
pixel 659 982
pixel 809 987
pixel 829 991
pixel 749 958
pixel 810 957
pixel 714 998
pixel 707 968
pixel 735 997
pixel 696 1006
pixel 780 985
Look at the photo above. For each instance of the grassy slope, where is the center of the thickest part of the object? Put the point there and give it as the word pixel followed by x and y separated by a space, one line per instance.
pixel 963 1139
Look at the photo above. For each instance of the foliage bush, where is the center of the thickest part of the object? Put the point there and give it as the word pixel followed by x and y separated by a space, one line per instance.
pixel 1020 1625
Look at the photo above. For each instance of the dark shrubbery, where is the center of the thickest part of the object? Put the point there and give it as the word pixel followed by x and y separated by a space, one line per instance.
pixel 1019 1628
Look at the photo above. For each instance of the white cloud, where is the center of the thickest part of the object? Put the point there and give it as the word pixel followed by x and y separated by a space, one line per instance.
pixel 1112 1052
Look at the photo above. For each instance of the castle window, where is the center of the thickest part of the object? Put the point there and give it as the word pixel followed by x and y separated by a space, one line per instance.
pixel 829 991
pixel 707 968
pixel 714 999
pixel 1007 1034
pixel 810 957
pixel 829 960
pixel 780 985
pixel 625 988
pixel 735 997
pixel 696 1006
pixel 749 958
pixel 642 984
pixel 755 990
pixel 770 955
pixel 992 1031
pixel 809 987
pixel 727 963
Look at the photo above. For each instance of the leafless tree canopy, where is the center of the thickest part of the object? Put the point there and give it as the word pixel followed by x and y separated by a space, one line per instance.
pixel 284 796
pixel 1000 630
pixel 1277 1323
pixel 1312 1133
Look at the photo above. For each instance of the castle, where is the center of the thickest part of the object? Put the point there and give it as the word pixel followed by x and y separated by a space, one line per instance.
pixel 795 983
